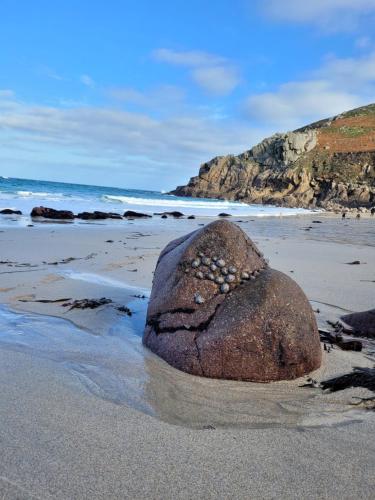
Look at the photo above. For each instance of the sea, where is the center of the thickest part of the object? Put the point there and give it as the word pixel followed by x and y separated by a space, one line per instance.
pixel 24 194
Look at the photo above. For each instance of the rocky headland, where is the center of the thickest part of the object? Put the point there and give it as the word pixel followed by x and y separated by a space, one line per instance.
pixel 328 164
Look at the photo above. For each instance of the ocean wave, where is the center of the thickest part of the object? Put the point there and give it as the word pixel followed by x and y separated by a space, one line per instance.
pixel 129 200
pixel 39 194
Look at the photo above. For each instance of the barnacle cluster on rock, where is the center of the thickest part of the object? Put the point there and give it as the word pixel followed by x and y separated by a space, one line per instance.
pixel 218 270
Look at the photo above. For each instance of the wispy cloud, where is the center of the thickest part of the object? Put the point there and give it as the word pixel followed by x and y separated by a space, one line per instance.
pixel 160 98
pixel 363 42
pixel 331 15
pixel 187 58
pixel 87 80
pixel 215 74
pixel 339 85
pixel 50 73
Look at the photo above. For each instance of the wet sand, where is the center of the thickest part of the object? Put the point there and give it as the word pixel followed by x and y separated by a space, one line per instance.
pixel 88 412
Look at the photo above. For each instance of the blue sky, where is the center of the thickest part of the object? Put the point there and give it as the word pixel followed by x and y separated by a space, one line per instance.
pixel 137 93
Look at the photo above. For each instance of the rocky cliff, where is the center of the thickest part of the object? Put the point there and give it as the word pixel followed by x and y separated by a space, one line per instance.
pixel 329 164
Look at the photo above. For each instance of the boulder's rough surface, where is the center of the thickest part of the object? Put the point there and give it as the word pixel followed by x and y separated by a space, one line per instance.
pixel 328 164
pixel 218 310
pixel 51 213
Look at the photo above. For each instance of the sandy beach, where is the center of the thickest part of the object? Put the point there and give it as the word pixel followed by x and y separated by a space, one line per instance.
pixel 88 412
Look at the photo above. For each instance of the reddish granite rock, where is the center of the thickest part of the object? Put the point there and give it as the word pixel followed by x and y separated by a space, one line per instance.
pixel 51 213
pixel 218 310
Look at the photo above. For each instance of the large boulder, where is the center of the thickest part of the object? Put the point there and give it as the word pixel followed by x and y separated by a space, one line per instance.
pixel 218 310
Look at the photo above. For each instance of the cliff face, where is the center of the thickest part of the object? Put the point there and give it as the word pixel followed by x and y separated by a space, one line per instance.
pixel 328 164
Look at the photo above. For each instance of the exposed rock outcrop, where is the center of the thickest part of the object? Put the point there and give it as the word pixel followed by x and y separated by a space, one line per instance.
pixel 97 215
pixel 51 213
pixel 10 211
pixel 328 164
pixel 218 310
pixel 130 214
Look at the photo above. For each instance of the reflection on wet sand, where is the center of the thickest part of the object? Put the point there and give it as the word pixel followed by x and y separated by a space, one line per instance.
pixel 116 367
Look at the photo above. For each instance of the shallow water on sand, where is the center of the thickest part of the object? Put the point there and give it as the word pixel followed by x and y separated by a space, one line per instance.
pixel 117 368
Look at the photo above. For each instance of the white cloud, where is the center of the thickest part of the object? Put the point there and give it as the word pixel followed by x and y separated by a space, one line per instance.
pixel 187 58
pixel 332 15
pixel 356 74
pixel 87 80
pixel 339 85
pixel 213 73
pixel 136 144
pixel 297 103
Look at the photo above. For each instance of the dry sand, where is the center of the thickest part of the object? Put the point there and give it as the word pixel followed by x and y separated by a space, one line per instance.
pixel 87 412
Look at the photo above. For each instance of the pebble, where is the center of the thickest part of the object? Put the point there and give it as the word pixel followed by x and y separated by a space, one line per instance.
pixel 219 280
pixel 213 267
pixel 199 275
pixel 210 276
pixel 198 299
pixel 230 278
pixel 245 275
pixel 220 262
pixel 196 263
pixel 224 271
pixel 206 261
pixel 232 269
pixel 224 288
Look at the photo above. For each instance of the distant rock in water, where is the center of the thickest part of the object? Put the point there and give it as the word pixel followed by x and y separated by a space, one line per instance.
pixel 174 213
pixel 218 310
pixel 51 213
pixel 97 215
pixel 135 215
pixel 329 164
pixel 9 211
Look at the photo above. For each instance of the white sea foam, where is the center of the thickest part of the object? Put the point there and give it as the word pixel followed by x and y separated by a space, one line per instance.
pixel 40 194
pixel 174 202
pixel 97 279
pixel 201 206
